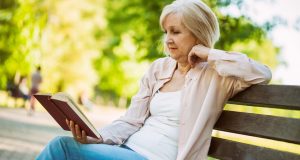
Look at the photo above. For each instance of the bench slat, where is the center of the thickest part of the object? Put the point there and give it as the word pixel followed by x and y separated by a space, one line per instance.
pixel 273 96
pixel 271 127
pixel 230 150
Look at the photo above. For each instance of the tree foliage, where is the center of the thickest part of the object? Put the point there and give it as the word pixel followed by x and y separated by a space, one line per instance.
pixel 21 23
pixel 106 44
pixel 138 21
pixel 69 45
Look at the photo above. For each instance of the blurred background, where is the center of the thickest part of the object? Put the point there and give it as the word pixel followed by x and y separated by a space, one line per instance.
pixel 97 50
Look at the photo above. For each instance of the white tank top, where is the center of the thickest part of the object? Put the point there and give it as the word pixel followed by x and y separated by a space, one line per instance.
pixel 157 139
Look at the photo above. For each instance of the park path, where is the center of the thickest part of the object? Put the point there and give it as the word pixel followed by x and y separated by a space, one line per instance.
pixel 22 137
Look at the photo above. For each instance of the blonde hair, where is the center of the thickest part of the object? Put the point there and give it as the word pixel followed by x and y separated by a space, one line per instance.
pixel 197 17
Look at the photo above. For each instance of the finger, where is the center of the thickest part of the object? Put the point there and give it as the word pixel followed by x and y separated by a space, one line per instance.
pixel 195 59
pixel 72 129
pixel 191 60
pixel 190 55
pixel 68 122
pixel 78 132
pixel 83 134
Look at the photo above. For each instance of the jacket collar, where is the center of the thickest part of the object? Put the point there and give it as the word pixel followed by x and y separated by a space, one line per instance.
pixel 168 70
pixel 171 65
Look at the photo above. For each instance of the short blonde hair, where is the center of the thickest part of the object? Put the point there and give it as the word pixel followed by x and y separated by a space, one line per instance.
pixel 197 17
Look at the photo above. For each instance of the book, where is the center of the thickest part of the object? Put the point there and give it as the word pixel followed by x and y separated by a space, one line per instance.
pixel 61 107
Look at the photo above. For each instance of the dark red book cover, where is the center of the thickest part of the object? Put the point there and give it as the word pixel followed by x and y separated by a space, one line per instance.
pixel 53 110
pixel 60 111
pixel 71 115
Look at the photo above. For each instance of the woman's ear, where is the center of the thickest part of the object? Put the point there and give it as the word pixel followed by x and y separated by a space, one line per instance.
pixel 198 42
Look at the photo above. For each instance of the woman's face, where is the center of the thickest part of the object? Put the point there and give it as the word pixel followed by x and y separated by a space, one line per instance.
pixel 178 39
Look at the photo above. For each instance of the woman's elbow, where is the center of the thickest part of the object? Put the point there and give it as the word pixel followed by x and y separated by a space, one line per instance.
pixel 267 76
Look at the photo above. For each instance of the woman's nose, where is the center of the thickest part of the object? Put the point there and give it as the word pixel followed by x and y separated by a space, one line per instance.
pixel 168 40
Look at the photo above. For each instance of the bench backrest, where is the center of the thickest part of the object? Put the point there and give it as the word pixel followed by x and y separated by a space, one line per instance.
pixel 257 125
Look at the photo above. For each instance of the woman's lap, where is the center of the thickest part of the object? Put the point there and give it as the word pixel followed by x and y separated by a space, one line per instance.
pixel 68 148
pixel 108 152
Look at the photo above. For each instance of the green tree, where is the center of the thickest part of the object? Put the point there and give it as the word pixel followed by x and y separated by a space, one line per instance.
pixel 21 23
pixel 134 24
pixel 104 43
pixel 69 45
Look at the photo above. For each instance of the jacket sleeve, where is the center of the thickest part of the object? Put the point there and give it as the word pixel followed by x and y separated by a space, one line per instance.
pixel 118 131
pixel 240 71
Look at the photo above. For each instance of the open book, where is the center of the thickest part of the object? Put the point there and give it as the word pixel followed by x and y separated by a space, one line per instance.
pixel 62 107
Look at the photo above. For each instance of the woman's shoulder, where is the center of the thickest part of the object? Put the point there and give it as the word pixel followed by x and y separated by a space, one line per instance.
pixel 162 67
pixel 163 60
pixel 163 63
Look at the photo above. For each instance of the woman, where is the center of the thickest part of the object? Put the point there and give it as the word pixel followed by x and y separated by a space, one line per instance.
pixel 180 96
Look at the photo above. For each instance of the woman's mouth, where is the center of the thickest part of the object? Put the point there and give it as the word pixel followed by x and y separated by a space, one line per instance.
pixel 170 48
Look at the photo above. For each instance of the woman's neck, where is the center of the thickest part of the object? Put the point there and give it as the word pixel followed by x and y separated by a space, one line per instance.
pixel 183 68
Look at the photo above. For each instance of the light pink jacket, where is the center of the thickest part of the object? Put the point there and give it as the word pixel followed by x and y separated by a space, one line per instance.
pixel 207 88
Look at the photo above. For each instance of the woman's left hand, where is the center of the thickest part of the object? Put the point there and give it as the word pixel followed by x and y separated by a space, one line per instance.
pixel 80 135
pixel 198 53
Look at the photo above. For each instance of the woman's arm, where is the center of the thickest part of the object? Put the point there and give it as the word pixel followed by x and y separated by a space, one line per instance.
pixel 240 71
pixel 233 64
pixel 118 131
pixel 240 66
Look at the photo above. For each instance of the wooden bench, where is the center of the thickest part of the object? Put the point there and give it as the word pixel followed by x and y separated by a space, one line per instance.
pixel 257 125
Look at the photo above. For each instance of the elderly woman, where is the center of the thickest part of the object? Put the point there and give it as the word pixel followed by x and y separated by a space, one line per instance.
pixel 180 97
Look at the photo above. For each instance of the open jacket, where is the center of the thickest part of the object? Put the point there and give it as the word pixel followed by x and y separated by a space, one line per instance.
pixel 207 88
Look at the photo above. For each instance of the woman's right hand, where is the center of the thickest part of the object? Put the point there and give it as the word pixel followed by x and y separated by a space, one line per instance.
pixel 80 135
pixel 198 53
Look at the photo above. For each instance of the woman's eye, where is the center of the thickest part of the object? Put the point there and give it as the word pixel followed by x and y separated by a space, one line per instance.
pixel 176 32
pixel 172 32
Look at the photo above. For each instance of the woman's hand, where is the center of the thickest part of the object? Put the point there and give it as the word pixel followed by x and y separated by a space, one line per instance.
pixel 198 53
pixel 80 135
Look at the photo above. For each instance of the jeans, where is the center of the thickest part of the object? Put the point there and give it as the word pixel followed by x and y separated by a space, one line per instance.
pixel 64 147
